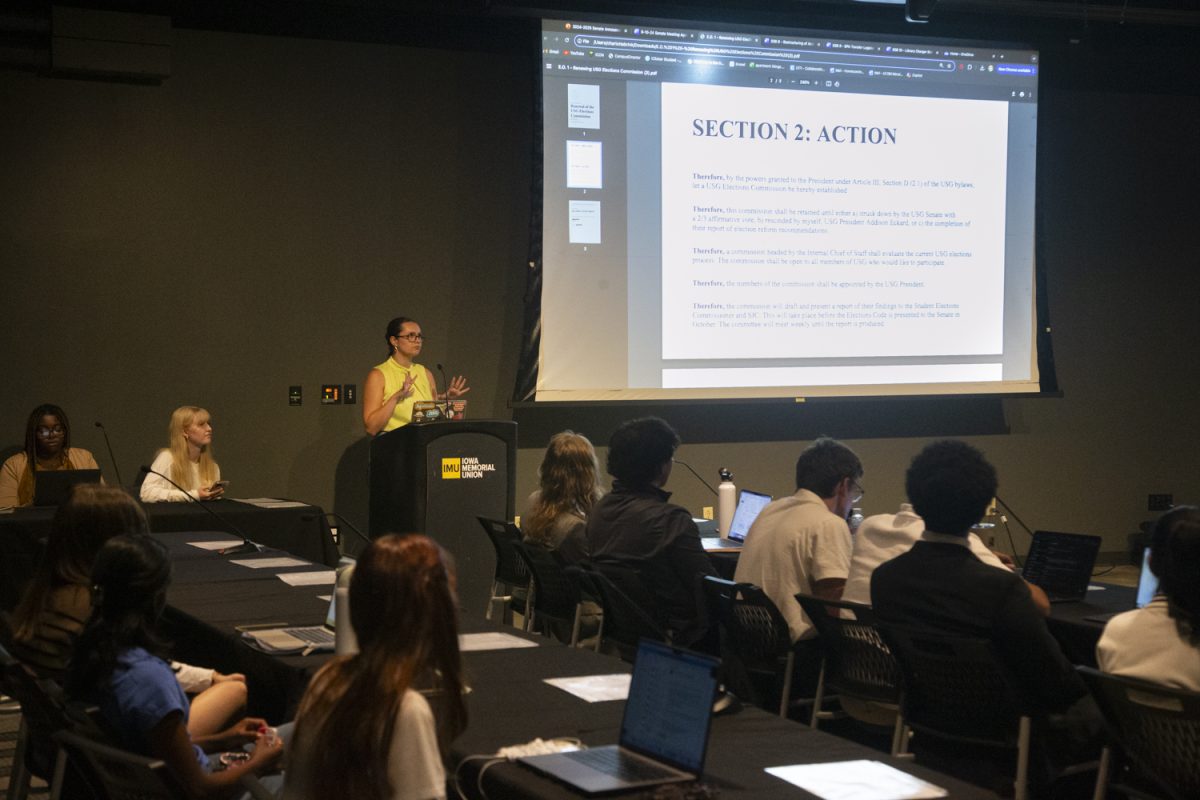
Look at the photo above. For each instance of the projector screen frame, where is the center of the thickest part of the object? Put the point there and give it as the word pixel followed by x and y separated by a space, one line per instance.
pixel 525 385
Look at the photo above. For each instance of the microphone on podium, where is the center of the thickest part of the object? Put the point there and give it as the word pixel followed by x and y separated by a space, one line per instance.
pixel 445 388
pixel 246 546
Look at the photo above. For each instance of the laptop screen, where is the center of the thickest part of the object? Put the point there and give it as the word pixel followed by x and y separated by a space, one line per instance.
pixel 1061 563
pixel 331 614
pixel 1147 582
pixel 669 708
pixel 749 504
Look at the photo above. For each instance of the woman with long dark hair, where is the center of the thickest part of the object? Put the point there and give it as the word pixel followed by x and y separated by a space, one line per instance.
pixel 363 730
pixel 47 448
pixel 58 600
pixel 1160 642
pixel 118 665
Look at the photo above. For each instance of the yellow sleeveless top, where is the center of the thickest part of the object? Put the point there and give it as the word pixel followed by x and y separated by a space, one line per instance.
pixel 394 377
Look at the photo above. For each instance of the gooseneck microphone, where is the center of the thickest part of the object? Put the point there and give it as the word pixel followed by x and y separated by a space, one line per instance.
pixel 697 474
pixel 111 457
pixel 339 518
pixel 446 387
pixel 246 546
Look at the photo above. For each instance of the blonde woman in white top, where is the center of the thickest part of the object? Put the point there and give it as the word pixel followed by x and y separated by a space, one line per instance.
pixel 187 460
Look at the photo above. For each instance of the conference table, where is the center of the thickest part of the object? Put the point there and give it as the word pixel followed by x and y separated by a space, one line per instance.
pixel 509 701
pixel 296 527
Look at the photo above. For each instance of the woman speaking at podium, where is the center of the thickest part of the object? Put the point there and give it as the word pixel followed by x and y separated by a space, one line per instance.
pixel 392 387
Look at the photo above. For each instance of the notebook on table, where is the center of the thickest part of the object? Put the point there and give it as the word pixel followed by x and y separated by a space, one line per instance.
pixel 664 731
pixel 53 487
pixel 298 638
pixel 1146 589
pixel 748 507
pixel 1061 564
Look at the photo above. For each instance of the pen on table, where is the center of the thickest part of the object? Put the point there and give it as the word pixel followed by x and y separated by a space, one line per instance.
pixel 308 650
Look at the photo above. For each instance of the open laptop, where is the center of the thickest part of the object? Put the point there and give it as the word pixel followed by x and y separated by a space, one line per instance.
pixel 664 731
pixel 316 637
pixel 1146 589
pixel 53 487
pixel 1061 564
pixel 748 507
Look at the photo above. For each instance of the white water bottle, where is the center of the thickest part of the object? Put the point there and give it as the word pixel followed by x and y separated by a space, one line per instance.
pixel 345 643
pixel 726 501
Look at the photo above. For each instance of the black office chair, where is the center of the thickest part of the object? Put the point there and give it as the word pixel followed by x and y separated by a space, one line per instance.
pixel 556 599
pixel 756 645
pixel 956 691
pixel 857 664
pixel 511 581
pixel 628 606
pixel 43 714
pixel 1154 735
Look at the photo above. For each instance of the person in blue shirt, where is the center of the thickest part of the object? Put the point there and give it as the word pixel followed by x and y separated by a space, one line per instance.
pixel 118 666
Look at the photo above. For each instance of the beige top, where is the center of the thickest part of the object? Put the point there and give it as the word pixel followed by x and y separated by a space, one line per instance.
pixel 794 543
pixel 16 485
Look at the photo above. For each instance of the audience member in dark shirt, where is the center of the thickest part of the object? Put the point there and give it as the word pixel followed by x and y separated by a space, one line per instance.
pixel 940 587
pixel 636 526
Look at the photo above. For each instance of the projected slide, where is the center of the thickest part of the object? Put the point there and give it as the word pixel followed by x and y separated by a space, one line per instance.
pixel 763 214
pixel 830 225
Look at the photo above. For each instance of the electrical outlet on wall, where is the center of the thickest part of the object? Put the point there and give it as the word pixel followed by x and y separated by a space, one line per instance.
pixel 1160 502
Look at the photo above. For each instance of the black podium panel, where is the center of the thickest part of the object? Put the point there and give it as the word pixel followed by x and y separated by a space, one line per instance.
pixel 436 479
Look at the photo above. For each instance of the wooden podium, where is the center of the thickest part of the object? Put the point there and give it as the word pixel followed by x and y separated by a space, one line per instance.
pixel 436 478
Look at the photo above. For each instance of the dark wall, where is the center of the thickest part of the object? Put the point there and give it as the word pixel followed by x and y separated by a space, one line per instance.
pixel 255 221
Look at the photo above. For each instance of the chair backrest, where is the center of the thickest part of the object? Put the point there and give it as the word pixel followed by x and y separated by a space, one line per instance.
pixel 119 775
pixel 955 687
pixel 1157 728
pixel 857 661
pixel 509 568
pixel 627 604
pixel 43 709
pixel 554 594
pixel 757 630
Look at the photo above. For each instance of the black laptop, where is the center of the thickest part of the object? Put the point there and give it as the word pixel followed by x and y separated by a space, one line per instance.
pixel 53 487
pixel 664 732
pixel 1061 564
pixel 1146 589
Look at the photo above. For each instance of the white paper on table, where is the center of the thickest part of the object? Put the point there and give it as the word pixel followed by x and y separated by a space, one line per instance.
pixel 221 545
pixel 261 563
pixel 469 642
pixel 595 688
pixel 271 502
pixel 325 597
pixel 857 780
pixel 323 577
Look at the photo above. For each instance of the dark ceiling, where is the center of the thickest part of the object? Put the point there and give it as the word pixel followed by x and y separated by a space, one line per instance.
pixel 1126 45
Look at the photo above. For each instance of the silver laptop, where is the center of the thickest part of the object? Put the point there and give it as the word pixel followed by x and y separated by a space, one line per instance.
pixel 748 507
pixel 664 731
pixel 312 637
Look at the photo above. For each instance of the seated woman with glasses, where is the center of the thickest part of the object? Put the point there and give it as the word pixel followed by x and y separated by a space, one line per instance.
pixel 47 448
pixel 1160 642
pixel 187 459
pixel 392 387
pixel 379 723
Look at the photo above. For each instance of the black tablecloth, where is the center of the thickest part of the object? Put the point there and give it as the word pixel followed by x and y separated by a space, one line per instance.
pixel 1078 635
pixel 301 530
pixel 509 702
